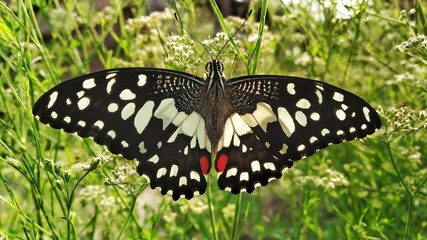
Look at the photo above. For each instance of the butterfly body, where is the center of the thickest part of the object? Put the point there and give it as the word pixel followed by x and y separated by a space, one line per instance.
pixel 173 123
pixel 214 106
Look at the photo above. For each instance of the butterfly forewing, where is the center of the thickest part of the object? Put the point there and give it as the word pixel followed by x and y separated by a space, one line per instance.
pixel 145 114
pixel 279 119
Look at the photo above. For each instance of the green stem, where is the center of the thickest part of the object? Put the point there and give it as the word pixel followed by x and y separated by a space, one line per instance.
pixel 234 234
pixel 128 218
pixel 257 48
pixel 212 215
pixel 222 23
pixel 411 196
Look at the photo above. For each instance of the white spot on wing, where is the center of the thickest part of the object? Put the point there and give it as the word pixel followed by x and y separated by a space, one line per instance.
pixel 179 118
pixel 112 107
pixel 284 149
pixel 83 103
pixel 142 80
pixel 236 140
pixel 67 119
pixel 315 116
pixel 99 124
pixel 128 110
pixel 89 83
pixel 338 97
pixel 154 159
pixel 161 172
pixel 319 96
pixel 142 148
pixel 174 171
pixel 244 176
pixel 125 144
pixel 255 166
pixel 110 75
pixel 52 99
pixel 143 116
pixel 202 137
pixel 195 176
pixel 189 126
pixel 173 136
pixel 110 85
pixel 366 112
pixel 54 115
pixel 112 134
pixel 324 132
pixel 301 118
pixel 269 165
pixel 291 88
pixel 313 139
pixel 286 121
pixel 182 181
pixel 231 172
pixel 80 94
pixel 344 107
pixel 264 115
pixel 228 133
pixel 340 114
pixel 127 94
pixel 240 126
pixel 166 111
pixel 250 120
pixel 81 123
pixel 303 103
pixel 244 148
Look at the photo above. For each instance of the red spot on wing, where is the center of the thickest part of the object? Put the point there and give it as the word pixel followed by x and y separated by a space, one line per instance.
pixel 221 163
pixel 204 164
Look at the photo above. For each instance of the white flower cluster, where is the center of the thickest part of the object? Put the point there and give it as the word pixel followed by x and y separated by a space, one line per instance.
pixel 402 121
pixel 331 179
pixel 92 192
pixel 124 176
pixel 195 206
pixel 180 53
pixel 214 45
pixel 98 161
pixel 109 205
pixel 419 41
pixel 134 25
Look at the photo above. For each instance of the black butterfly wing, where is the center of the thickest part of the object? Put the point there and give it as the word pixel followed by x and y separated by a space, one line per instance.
pixel 280 119
pixel 141 113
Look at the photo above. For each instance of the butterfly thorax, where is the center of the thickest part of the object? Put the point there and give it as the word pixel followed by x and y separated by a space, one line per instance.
pixel 214 106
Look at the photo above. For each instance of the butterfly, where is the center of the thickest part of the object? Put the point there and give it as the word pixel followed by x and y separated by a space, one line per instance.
pixel 178 126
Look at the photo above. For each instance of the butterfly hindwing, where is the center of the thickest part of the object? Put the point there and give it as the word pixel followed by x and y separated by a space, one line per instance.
pixel 145 114
pixel 247 164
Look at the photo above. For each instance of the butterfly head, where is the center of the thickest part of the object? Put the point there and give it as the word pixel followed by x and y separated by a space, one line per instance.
pixel 214 74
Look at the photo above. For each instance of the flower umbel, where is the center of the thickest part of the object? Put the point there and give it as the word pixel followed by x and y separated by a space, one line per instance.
pixel 180 53
pixel 402 121
pixel 125 177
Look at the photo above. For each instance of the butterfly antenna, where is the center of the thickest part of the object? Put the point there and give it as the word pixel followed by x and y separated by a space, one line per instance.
pixel 234 34
pixel 192 35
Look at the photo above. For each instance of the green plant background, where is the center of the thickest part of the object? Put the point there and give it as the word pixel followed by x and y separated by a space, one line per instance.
pixel 56 185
